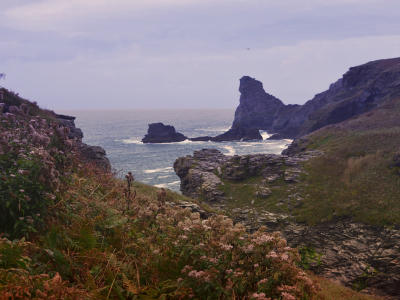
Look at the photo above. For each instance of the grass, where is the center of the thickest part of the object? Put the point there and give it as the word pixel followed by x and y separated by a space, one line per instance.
pixel 241 194
pixel 95 248
pixel 354 178
pixel 333 290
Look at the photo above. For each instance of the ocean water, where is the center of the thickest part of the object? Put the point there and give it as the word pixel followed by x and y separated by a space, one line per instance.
pixel 120 134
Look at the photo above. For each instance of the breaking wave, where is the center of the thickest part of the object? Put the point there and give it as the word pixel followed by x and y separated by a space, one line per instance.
pixel 132 141
pixel 230 150
pixel 166 185
pixel 159 170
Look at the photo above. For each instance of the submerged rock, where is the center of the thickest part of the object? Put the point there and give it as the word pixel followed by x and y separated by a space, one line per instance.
pixel 160 133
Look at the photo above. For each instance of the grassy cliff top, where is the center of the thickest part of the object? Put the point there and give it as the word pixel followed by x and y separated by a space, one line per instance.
pixel 359 174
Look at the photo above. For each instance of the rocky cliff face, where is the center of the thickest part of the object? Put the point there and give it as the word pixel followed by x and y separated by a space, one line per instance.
pixel 11 102
pixel 92 154
pixel 160 133
pixel 361 89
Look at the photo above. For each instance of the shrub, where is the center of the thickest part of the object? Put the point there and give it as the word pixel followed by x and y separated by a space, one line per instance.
pixel 33 158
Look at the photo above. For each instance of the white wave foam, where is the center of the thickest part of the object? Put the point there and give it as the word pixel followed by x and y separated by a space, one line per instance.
pixel 264 135
pixel 131 141
pixel 230 149
pixel 159 170
pixel 174 182
pixel 162 185
pixel 166 176
pixel 166 185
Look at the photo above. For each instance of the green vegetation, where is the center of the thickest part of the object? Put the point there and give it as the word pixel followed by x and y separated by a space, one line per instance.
pixel 242 194
pixel 330 289
pixel 67 232
pixel 357 176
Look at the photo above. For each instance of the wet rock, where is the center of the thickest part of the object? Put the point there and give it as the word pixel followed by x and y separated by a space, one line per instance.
pixel 239 134
pixel 160 133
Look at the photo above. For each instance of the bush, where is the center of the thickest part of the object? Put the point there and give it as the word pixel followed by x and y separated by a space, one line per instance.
pixel 33 158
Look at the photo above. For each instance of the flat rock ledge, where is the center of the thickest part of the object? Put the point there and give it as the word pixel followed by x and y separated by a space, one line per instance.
pixel 203 173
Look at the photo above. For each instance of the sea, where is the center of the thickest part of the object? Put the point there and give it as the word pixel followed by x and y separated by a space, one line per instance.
pixel 120 134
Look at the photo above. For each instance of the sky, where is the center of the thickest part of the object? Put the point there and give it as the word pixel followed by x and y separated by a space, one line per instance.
pixel 169 54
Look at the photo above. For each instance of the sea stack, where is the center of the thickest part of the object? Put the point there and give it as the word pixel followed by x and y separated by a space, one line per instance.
pixel 160 133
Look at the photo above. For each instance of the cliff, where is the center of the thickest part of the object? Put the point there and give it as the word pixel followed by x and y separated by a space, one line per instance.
pixel 360 90
pixel 334 193
pixel 12 104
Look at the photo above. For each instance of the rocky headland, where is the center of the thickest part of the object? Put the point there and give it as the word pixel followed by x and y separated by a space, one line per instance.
pixel 360 90
pixel 12 104
pixel 92 154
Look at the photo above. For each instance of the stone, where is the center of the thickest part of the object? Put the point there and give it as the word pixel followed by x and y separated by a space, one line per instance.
pixel 160 133
pixel 96 155
pixel 263 192
pixel 69 122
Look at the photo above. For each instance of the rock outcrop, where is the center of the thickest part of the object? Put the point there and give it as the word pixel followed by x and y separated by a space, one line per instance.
pixel 69 121
pixel 245 134
pixel 203 173
pixel 356 254
pixel 92 154
pixel 12 102
pixel 360 90
pixel 160 133
pixel 198 179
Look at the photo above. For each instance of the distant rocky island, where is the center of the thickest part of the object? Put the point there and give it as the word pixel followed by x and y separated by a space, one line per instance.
pixel 160 133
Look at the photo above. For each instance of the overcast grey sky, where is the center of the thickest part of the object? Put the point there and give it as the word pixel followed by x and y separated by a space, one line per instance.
pixel 102 54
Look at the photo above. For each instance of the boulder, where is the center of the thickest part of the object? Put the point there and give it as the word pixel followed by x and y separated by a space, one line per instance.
pixel 95 155
pixel 160 133
pixel 263 192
